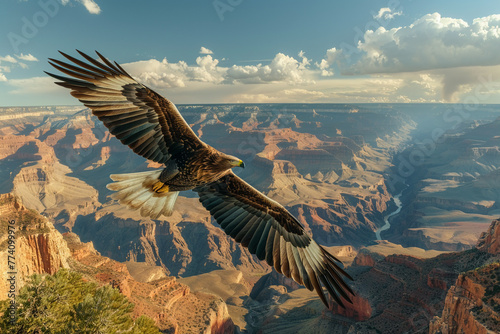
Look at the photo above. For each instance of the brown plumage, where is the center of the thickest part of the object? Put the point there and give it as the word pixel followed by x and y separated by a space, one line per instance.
pixel 153 128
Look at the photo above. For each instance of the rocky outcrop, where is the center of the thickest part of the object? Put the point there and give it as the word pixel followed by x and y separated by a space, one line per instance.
pixel 489 241
pixel 39 248
pixel 471 304
pixel 366 258
pixel 359 310
pixel 219 320
pixel 272 279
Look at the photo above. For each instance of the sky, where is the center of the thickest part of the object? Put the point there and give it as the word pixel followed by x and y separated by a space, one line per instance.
pixel 242 51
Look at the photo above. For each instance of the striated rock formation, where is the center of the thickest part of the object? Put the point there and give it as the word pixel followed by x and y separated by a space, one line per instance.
pixel 489 241
pixel 39 248
pixel 359 310
pixel 366 258
pixel 472 304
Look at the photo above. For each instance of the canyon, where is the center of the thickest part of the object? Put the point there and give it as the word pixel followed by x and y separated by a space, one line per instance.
pixel 335 167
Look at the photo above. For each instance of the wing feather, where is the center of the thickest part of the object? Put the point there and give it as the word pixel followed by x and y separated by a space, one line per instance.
pixel 274 235
pixel 131 111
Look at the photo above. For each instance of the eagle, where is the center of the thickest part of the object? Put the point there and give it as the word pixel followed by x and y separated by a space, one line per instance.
pixel 153 128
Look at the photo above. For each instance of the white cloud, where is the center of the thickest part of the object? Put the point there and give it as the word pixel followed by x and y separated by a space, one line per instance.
pixel 281 68
pixel 9 62
pixel 445 54
pixel 91 6
pixel 332 56
pixel 430 42
pixel 386 13
pixel 8 59
pixel 28 57
pixel 205 51
pixel 305 61
pixel 164 74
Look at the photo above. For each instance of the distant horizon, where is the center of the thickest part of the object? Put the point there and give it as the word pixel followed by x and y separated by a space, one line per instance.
pixel 275 103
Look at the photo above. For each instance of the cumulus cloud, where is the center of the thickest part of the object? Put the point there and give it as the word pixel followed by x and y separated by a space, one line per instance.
pixel 281 68
pixel 164 74
pixel 28 57
pixel 305 61
pixel 446 54
pixel 386 13
pixel 205 51
pixel 91 6
pixel 332 55
pixel 431 42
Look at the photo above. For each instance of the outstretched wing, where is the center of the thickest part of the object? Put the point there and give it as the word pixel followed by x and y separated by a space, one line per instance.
pixel 273 234
pixel 139 117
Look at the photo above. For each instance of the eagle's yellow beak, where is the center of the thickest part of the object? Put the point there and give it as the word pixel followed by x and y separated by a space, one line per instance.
pixel 238 163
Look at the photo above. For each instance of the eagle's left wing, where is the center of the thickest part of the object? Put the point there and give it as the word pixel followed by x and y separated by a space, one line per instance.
pixel 273 234
pixel 139 117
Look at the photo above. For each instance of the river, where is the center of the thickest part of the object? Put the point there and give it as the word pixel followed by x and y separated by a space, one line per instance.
pixel 387 225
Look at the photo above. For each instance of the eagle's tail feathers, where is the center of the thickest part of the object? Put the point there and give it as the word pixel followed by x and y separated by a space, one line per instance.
pixel 136 191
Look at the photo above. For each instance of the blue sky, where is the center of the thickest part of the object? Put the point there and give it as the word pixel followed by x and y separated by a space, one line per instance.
pixel 230 51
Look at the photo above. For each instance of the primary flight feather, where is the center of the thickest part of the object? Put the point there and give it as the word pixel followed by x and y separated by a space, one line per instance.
pixel 152 127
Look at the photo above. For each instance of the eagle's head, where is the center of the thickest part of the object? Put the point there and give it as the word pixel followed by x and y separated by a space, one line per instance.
pixel 230 161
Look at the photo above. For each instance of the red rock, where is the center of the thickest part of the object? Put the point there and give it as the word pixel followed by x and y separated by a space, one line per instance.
pixel 359 310
pixel 489 241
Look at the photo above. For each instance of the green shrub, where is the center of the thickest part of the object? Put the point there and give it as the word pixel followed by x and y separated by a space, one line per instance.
pixel 64 303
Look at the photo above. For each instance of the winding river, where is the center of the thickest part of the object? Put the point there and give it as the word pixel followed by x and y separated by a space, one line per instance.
pixel 387 225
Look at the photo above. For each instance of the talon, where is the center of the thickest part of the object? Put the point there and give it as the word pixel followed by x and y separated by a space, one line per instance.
pixel 160 187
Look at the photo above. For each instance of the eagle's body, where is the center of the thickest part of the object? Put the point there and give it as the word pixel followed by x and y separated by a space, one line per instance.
pixel 153 128
pixel 203 166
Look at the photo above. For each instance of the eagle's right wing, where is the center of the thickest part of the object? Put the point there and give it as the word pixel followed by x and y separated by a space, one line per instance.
pixel 273 234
